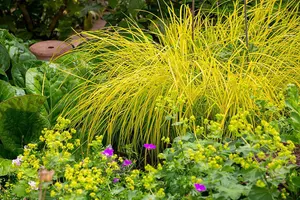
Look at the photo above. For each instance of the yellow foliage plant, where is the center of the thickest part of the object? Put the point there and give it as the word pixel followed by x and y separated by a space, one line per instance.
pixel 214 73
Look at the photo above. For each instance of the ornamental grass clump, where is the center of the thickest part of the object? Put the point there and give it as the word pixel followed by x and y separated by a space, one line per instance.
pixel 214 73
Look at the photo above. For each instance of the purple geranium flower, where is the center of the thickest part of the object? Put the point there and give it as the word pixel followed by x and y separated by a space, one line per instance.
pixel 109 152
pixel 116 180
pixel 199 187
pixel 17 161
pixel 149 146
pixel 127 162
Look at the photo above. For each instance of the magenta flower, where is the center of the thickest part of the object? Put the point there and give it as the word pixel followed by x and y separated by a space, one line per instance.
pixel 149 146
pixel 199 187
pixel 126 163
pixel 116 180
pixel 17 161
pixel 109 152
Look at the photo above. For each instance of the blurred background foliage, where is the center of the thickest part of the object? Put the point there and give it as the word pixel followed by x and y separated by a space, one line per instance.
pixel 58 19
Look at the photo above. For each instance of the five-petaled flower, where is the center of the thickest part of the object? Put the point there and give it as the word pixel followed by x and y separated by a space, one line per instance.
pixel 17 161
pixel 116 180
pixel 33 185
pixel 127 162
pixel 199 187
pixel 109 152
pixel 149 146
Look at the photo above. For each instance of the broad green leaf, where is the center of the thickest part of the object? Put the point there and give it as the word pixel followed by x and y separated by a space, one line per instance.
pixel 19 70
pixel 296 181
pixel 134 6
pixel 295 117
pixel 5 166
pixel 252 175
pixel 50 82
pixel 4 58
pixel 17 51
pixel 2 73
pixel 20 189
pixel 113 3
pixel 258 193
pixel 233 191
pixel 21 122
pixel 7 91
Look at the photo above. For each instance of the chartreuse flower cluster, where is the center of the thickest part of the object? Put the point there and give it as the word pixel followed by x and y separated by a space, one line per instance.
pixel 256 161
pixel 50 167
pixel 192 168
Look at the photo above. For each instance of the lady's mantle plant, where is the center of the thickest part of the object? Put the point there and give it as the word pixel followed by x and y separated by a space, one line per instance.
pixel 54 172
pixel 256 165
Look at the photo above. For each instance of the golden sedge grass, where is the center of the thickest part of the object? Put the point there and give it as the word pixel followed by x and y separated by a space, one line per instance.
pixel 211 72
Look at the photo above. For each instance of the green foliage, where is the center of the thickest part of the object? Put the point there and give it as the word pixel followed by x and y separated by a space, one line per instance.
pixel 292 103
pixel 5 167
pixel 214 73
pixel 30 92
pixel 145 13
pixel 46 18
pixel 48 80
pixel 7 91
pixel 20 123
pixel 13 54
pixel 256 165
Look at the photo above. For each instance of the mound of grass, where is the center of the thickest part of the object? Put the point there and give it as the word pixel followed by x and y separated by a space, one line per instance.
pixel 214 73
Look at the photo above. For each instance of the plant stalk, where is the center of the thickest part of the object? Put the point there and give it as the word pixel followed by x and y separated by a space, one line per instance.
pixel 246 24
pixel 160 10
pixel 193 20
pixel 246 31
pixel 57 16
pixel 22 5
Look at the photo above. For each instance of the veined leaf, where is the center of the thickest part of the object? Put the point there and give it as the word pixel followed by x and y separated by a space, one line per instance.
pixel 20 122
pixel 4 58
pixel 5 166
pixel 7 91
pixel 48 81
pixel 19 70
pixel 258 193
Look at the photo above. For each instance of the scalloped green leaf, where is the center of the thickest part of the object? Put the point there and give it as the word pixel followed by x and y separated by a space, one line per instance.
pixel 21 122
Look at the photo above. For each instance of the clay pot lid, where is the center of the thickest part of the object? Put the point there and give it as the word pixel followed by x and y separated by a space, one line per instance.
pixel 45 50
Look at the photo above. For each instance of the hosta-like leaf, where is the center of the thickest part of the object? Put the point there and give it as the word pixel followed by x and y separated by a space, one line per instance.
pixel 4 58
pixel 258 193
pixel 20 122
pixel 5 166
pixel 19 70
pixel 48 81
pixel 7 91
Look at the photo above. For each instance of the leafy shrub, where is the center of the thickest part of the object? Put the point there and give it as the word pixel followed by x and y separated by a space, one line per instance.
pixel 292 103
pixel 145 12
pixel 255 166
pixel 214 73
pixel 30 93
pixel 46 18
pixel 78 177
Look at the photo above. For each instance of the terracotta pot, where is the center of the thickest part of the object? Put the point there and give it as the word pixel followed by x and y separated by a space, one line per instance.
pixel 49 49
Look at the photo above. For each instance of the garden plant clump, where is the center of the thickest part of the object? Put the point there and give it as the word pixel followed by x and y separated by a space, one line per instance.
pixel 196 104
pixel 257 166
pixel 215 72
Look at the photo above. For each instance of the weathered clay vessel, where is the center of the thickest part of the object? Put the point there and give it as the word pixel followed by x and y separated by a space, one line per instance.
pixel 49 49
